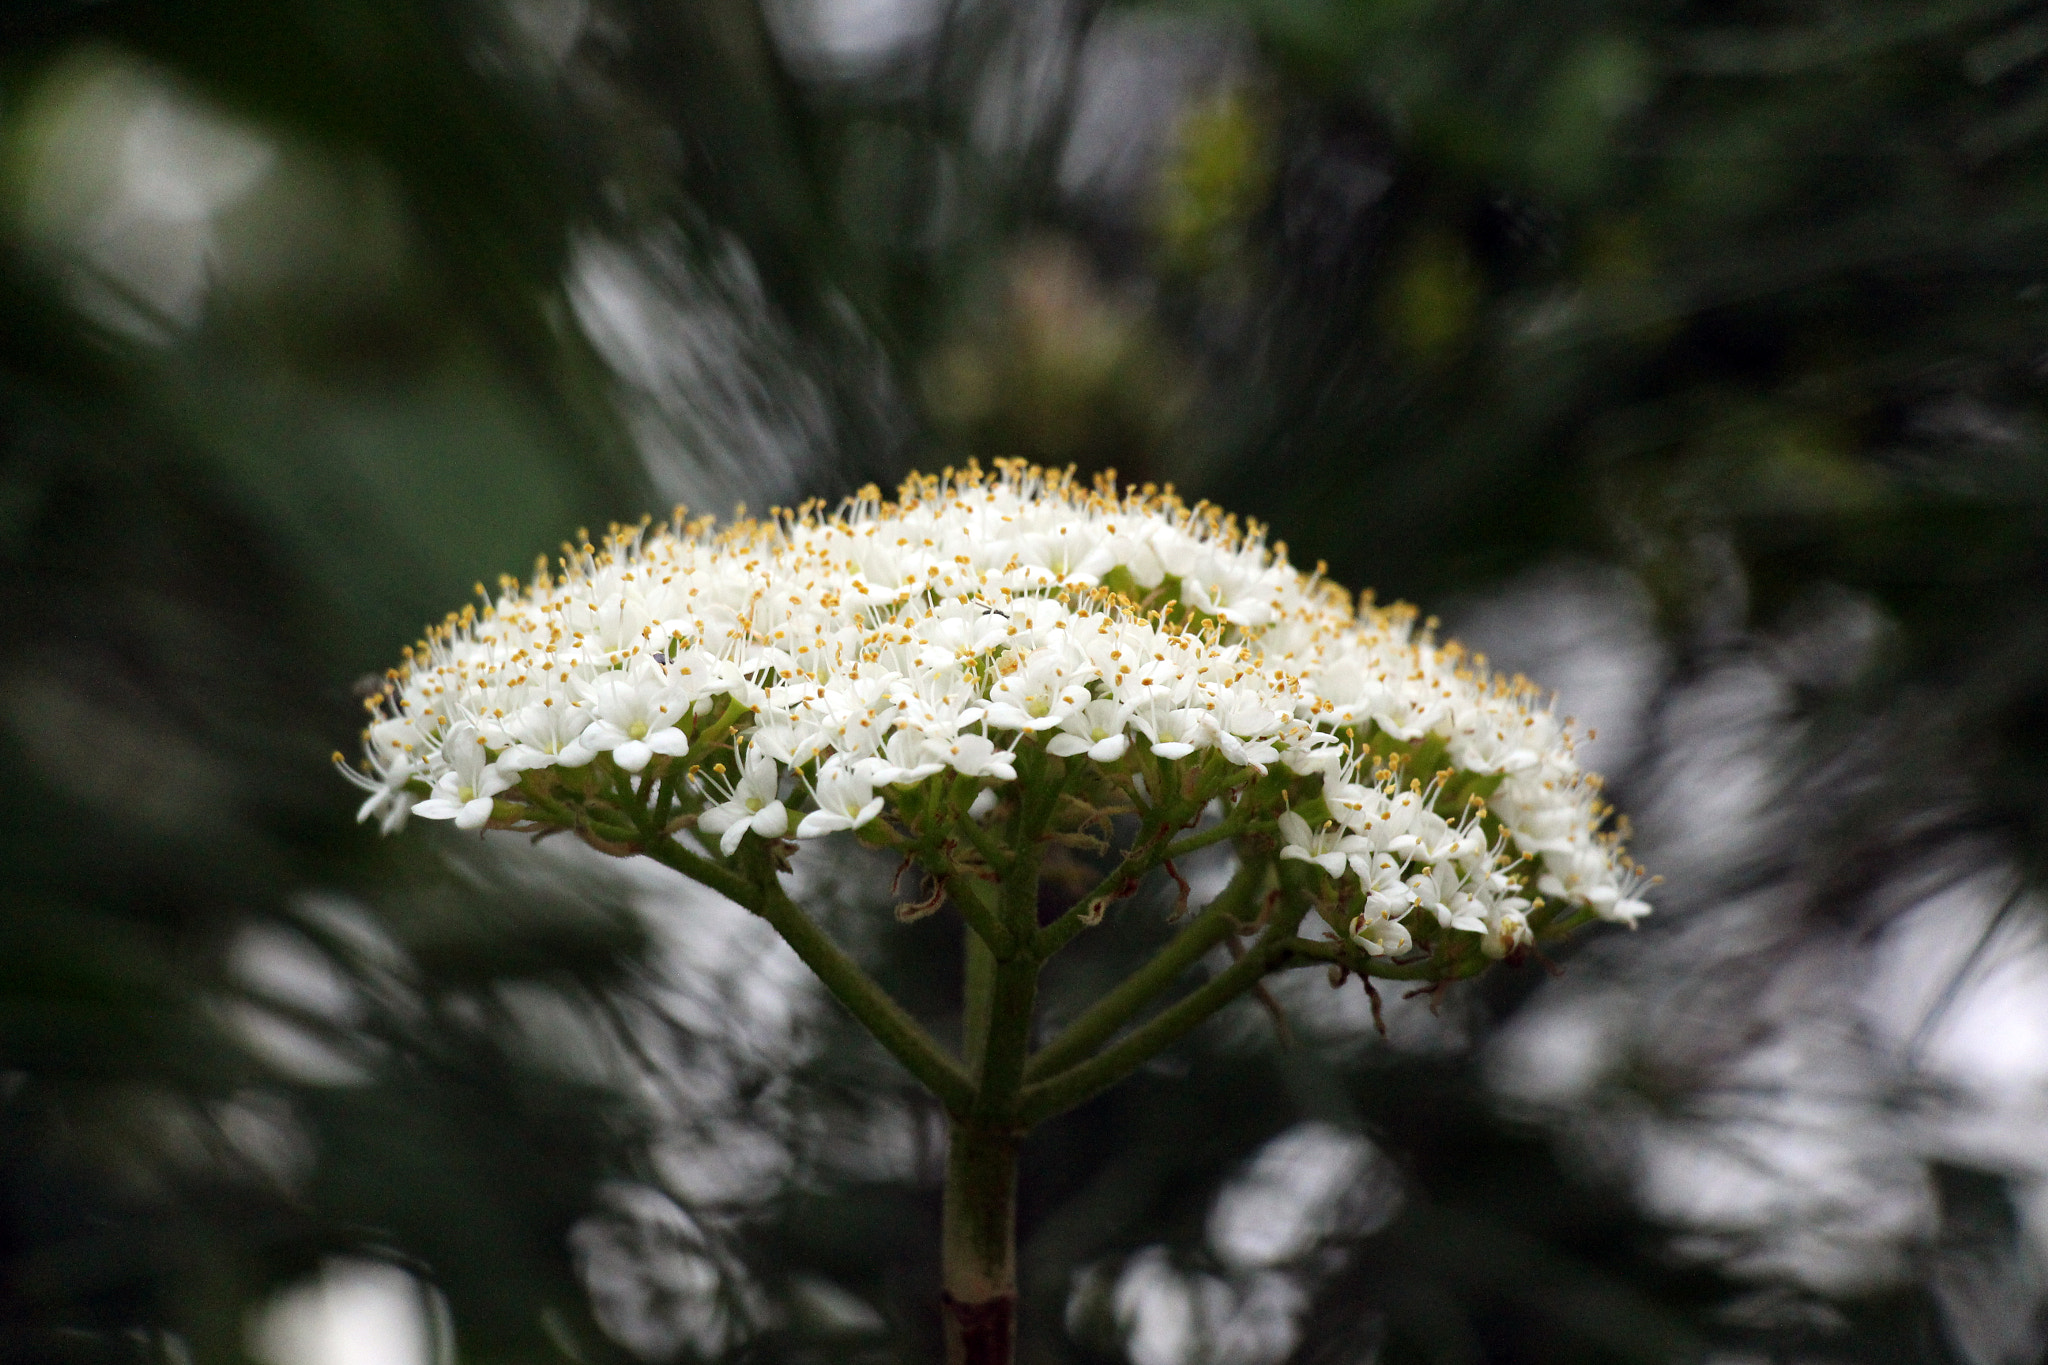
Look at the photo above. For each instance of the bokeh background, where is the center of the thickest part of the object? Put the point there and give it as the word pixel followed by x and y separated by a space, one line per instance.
pixel 1689 356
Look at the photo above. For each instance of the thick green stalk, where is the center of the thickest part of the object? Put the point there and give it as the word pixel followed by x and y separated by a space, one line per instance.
pixel 999 1070
pixel 978 986
pixel 978 1253
pixel 1077 1083
pixel 980 1238
pixel 1101 1020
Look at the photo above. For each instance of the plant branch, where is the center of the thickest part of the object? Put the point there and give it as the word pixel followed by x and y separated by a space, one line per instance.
pixel 984 843
pixel 1101 1020
pixel 1013 996
pixel 862 996
pixel 1231 826
pixel 965 889
pixel 1305 952
pixel 1145 855
pixel 1078 1083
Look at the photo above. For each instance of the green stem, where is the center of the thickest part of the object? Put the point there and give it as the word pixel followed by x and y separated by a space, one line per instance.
pixel 888 1021
pixel 999 1068
pixel 1102 1019
pixel 984 843
pixel 978 986
pixel 710 737
pixel 999 1075
pixel 1303 952
pixel 1230 828
pixel 978 1248
pixel 928 851
pixel 1077 1083
pixel 965 889
pixel 698 868
pixel 1143 857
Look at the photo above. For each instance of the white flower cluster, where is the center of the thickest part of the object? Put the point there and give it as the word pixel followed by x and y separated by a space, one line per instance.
pixel 857 654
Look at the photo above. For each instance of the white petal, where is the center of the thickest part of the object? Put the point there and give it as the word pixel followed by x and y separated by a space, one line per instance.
pixel 1111 749
pixel 602 735
pixel 822 822
pixel 671 742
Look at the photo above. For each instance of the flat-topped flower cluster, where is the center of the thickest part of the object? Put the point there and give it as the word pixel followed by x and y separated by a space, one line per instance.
pixel 842 670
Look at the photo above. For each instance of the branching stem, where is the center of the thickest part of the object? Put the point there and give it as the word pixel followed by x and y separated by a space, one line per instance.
pixel 1101 1020
pixel 1068 1088
pixel 863 997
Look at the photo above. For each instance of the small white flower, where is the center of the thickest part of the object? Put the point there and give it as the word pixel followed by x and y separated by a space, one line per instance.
pixel 1386 894
pixel 546 734
pixel 1436 889
pixel 1316 753
pixel 901 762
pixel 1430 839
pixel 754 804
pixel 1038 695
pixel 1484 744
pixel 1175 731
pixel 1329 848
pixel 957 634
pixel 464 790
pixel 388 799
pixel 1096 730
pixel 637 714
pixel 1391 828
pixel 973 756
pixel 845 801
pixel 1240 727
pixel 1615 894
pixel 1506 930
pixel 1353 804
pixel 1381 937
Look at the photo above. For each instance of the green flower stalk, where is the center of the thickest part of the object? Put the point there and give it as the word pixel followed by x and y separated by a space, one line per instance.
pixel 988 666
